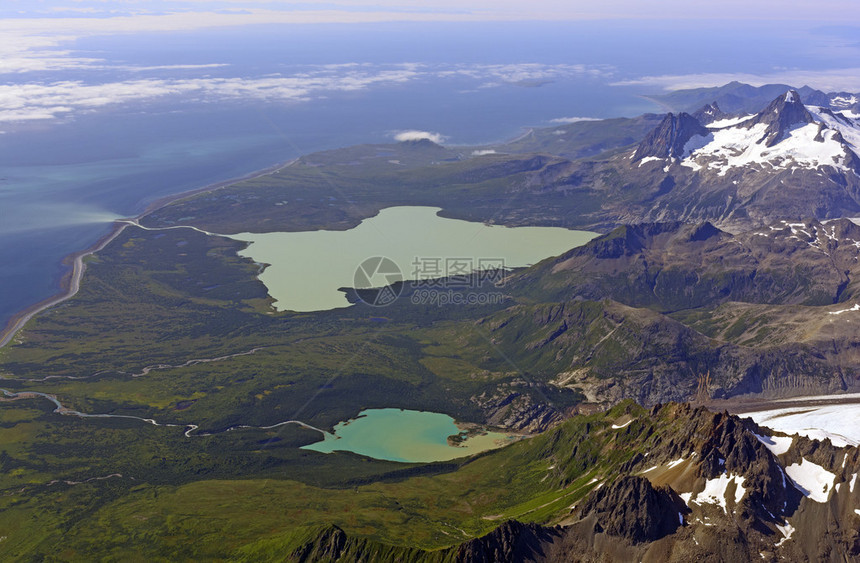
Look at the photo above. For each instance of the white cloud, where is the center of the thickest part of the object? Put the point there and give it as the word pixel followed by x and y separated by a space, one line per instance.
pixel 483 152
pixel 827 80
pixel 27 101
pixel 414 135
pixel 35 101
pixel 25 53
pixel 166 67
pixel 498 74
pixel 566 120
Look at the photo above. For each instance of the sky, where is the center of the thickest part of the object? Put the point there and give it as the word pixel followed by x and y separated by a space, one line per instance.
pixel 445 10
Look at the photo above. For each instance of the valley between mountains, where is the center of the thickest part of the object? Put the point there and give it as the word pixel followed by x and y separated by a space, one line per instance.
pixel 727 270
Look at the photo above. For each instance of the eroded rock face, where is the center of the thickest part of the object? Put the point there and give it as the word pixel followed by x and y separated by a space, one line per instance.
pixel 329 545
pixel 709 113
pixel 511 406
pixel 669 138
pixel 512 541
pixel 632 508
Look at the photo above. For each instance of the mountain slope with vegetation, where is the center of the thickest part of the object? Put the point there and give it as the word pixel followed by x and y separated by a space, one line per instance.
pixel 168 400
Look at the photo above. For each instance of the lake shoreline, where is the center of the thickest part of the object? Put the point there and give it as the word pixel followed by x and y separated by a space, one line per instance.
pixel 69 282
pixel 396 432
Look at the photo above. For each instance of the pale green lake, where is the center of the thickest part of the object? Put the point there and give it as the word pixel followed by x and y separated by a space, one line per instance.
pixel 404 435
pixel 307 268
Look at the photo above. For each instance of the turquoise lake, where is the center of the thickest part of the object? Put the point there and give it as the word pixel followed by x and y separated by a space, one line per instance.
pixel 404 435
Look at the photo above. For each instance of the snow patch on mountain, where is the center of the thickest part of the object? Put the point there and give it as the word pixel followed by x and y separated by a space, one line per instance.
pixel 786 531
pixel 676 462
pixel 811 479
pixel 735 147
pixel 650 159
pixel 716 491
pixel 728 122
pixel 778 445
pixel 843 101
pixel 839 121
pixel 856 307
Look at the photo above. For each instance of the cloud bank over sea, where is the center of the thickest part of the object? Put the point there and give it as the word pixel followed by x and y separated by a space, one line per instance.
pixel 24 100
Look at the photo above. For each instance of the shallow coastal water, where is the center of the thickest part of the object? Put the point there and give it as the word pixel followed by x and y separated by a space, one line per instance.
pixel 307 268
pixel 405 435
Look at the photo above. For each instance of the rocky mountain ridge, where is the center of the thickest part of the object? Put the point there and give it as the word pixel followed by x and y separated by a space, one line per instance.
pixel 647 310
pixel 740 98
pixel 670 137
pixel 787 161
pixel 711 485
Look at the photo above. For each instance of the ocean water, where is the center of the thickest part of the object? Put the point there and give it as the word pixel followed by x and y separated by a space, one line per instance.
pixel 159 114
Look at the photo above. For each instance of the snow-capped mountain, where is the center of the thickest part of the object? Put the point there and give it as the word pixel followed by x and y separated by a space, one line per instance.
pixel 788 161
pixel 785 135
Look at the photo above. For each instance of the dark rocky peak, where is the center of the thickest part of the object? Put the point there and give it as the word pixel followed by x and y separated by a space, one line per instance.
pixel 329 545
pixel 813 97
pixel 703 232
pixel 512 541
pixel 626 240
pixel 837 136
pixel 632 508
pixel 709 113
pixel 780 116
pixel 667 140
pixel 852 160
pixel 726 444
pixel 819 136
pixel 729 446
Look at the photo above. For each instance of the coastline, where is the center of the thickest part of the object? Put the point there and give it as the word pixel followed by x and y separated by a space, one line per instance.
pixel 663 105
pixel 70 281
